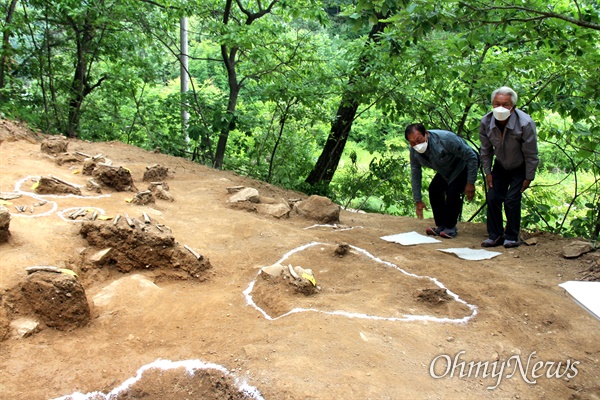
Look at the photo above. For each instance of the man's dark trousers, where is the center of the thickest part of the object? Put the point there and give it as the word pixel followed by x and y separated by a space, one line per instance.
pixel 506 190
pixel 445 199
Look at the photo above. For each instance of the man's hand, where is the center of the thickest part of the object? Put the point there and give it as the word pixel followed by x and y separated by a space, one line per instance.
pixel 420 206
pixel 488 179
pixel 470 191
pixel 525 185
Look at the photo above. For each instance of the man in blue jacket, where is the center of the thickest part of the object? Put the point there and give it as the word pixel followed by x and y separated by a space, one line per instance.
pixel 455 163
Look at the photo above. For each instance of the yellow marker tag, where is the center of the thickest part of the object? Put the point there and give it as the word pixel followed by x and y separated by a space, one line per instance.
pixel 309 278
pixel 35 185
pixel 104 217
pixel 128 200
pixel 5 203
pixel 68 272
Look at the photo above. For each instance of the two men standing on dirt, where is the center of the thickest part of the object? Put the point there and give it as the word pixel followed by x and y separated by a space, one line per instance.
pixel 507 133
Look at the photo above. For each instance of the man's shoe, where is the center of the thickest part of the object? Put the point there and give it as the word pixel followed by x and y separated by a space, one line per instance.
pixel 511 243
pixel 493 242
pixel 449 233
pixel 434 231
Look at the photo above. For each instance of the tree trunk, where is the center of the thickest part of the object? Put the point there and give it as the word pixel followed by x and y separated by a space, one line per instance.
pixel 4 58
pixel 597 228
pixel 234 91
pixel 334 147
pixel 329 159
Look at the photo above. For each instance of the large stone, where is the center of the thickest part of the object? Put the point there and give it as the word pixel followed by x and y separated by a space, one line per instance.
pixel 246 194
pixel 58 299
pixel 4 224
pixel 279 210
pixel 318 208
pixel 577 248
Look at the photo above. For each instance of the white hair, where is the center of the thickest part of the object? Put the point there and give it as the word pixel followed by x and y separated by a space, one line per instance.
pixel 506 90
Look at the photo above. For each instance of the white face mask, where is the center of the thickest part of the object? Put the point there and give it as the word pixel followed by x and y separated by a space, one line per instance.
pixel 501 113
pixel 420 148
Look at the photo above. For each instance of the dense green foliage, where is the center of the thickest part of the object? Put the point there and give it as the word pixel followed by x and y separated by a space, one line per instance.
pixel 267 78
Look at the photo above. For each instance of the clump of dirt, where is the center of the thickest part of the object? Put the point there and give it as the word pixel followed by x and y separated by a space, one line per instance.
pixel 143 246
pixel 155 173
pixel 160 190
pixel 143 198
pixel 58 298
pixel 55 145
pixel 434 296
pixel 179 383
pixel 341 249
pixel 115 177
pixel 4 224
pixel 53 185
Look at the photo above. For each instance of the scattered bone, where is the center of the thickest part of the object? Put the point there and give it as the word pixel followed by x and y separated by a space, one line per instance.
pixel 117 218
pixel 129 221
pixel 159 227
pixel 93 186
pixel 53 185
pixel 94 216
pixel 147 219
pixel 82 212
pixel 9 196
pixel 292 272
pixel 31 270
pixel 199 257
pixel 83 154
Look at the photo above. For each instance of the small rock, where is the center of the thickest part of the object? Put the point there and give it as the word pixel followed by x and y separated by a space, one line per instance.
pixel 23 327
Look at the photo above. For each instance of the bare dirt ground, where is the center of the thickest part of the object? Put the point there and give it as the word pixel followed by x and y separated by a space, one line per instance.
pixel 386 318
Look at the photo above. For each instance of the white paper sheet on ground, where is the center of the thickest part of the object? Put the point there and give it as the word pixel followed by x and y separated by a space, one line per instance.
pixel 409 238
pixel 585 294
pixel 472 254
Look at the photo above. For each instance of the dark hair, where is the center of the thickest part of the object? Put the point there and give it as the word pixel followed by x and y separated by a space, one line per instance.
pixel 414 127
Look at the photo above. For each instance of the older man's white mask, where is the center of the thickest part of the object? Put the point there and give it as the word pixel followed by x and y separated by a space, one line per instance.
pixel 501 113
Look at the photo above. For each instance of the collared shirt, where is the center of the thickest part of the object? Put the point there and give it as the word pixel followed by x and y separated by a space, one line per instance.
pixel 513 147
pixel 447 154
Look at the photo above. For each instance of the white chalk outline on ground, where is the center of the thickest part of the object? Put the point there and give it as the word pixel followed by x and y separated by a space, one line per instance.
pixel 54 205
pixel 334 226
pixel 191 366
pixel 473 308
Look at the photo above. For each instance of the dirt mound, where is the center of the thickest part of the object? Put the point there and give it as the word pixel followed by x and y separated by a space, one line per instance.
pixel 137 245
pixel 11 131
pixel 58 298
